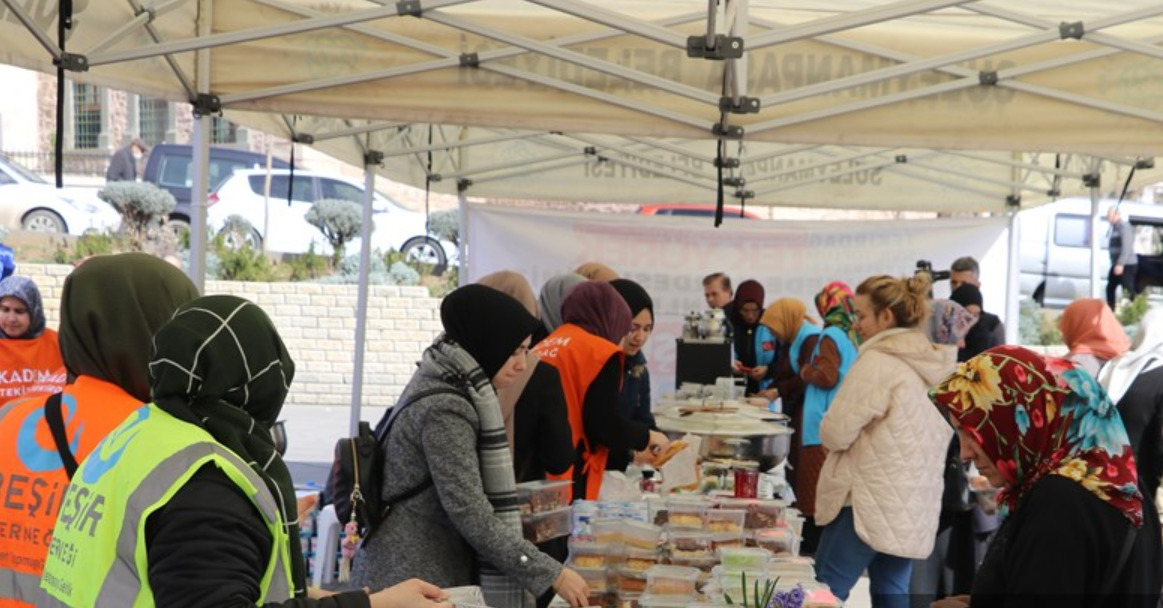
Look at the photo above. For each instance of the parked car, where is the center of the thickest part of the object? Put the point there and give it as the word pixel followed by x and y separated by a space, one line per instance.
pixel 1055 248
pixel 695 211
pixel 28 202
pixel 242 195
pixel 171 167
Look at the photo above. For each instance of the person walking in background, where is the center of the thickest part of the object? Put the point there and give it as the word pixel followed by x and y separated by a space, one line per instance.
pixel 879 494
pixel 1124 262
pixel 448 475
pixel 30 354
pixel 123 163
pixel 755 345
pixel 987 332
pixel 1092 333
pixel 110 309
pixel 1073 534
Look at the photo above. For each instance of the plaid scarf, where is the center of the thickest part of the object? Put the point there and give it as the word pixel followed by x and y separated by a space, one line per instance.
pixel 449 360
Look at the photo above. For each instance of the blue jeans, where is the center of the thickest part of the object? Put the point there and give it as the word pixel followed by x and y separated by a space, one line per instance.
pixel 842 557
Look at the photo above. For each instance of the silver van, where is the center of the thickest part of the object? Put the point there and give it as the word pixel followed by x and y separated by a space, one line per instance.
pixel 1055 249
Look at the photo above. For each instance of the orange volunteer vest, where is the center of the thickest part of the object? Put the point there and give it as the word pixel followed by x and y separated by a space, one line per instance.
pixel 579 356
pixel 33 480
pixel 30 367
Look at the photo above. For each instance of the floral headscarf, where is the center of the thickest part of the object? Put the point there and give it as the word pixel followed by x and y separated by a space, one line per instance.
pixel 1036 416
pixel 950 322
pixel 837 308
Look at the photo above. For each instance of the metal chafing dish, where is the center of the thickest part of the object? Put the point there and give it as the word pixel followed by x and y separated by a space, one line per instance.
pixel 735 430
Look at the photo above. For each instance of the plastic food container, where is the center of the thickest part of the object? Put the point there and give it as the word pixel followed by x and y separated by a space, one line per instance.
pixel 727 539
pixel 628 600
pixel 672 580
pixel 641 535
pixel 654 600
pixel 584 511
pixel 703 564
pixel 657 512
pixel 543 496
pixel 726 520
pixel 639 560
pixel 690 544
pixel 597 579
pixel 760 514
pixel 540 527
pixel 732 583
pixel 780 541
pixel 744 559
pixel 590 555
pixel 607 531
pixel 631 581
pixel 684 514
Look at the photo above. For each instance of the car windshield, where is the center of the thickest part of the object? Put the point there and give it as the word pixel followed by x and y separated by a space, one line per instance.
pixel 21 171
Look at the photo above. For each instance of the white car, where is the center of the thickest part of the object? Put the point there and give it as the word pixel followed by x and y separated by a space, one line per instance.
pixel 28 202
pixel 287 228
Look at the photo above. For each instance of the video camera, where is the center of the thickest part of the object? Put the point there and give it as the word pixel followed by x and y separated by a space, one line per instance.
pixel 926 267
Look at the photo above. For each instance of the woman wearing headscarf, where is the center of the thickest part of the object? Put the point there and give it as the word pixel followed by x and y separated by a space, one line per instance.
pixel 1044 431
pixel 879 492
pixel 110 309
pixel 987 332
pixel 197 479
pixel 788 320
pixel 448 475
pixel 30 354
pixel 553 294
pixel 635 395
pixel 587 351
pixel 1092 333
pixel 755 345
pixel 533 406
pixel 1134 381
pixel 597 271
pixel 827 364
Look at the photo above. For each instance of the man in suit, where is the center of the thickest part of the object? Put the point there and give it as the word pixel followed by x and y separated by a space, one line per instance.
pixel 123 165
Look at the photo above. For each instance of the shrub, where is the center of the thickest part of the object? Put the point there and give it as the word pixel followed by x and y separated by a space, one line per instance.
pixel 308 266
pixel 144 209
pixel 446 225
pixel 1130 313
pixel 339 221
pixel 1035 327
pixel 93 243
pixel 379 273
pixel 242 264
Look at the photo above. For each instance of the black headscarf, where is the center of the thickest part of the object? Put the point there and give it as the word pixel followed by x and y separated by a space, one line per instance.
pixel 984 333
pixel 111 307
pixel 967 295
pixel 635 296
pixel 488 324
pixel 219 364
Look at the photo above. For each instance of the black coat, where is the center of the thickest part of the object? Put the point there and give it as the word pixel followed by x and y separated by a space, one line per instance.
pixel 987 333
pixel 1141 409
pixel 541 435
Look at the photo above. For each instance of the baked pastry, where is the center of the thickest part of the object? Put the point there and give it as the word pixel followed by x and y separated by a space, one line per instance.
pixel 631 584
pixel 674 448
pixel 639 564
pixel 590 561
pixel 686 520
pixel 724 526
pixel 669 586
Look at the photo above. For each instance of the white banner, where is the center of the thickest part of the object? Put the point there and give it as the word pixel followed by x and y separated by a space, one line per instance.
pixel 670 255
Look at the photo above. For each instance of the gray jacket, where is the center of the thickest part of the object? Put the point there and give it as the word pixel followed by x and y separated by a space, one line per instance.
pixel 1122 244
pixel 438 535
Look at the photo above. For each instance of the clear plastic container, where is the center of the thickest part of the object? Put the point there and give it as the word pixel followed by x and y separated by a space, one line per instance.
pixel 760 513
pixel 672 580
pixel 597 579
pixel 640 560
pixel 743 559
pixel 792 567
pixel 591 555
pixel 607 531
pixel 540 527
pixel 734 585
pixel 780 541
pixel 630 581
pixel 543 496
pixel 584 511
pixel 690 544
pixel 628 600
pixel 657 512
pixel 686 514
pixel 641 535
pixel 726 520
pixel 727 539
pixel 703 564
pixel 654 600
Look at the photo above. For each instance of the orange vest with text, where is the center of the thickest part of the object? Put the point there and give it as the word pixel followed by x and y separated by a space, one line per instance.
pixel 33 480
pixel 31 367
pixel 579 357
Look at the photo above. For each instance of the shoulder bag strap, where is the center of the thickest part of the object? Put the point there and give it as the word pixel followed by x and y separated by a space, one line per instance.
pixel 56 423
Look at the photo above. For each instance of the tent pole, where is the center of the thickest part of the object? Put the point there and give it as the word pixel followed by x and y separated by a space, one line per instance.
pixel 371 159
pixel 201 160
pixel 462 238
pixel 1013 276
pixel 1095 232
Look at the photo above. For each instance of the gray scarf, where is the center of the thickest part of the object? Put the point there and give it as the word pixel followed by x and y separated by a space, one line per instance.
pixel 447 359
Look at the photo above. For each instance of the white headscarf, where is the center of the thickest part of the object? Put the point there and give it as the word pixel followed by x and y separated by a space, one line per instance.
pixel 1145 355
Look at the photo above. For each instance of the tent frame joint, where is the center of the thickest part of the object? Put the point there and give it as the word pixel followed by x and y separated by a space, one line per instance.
pixel 740 105
pixel 149 11
pixel 1145 163
pixel 735 182
pixel 743 195
pixel 901 159
pixel 303 138
pixel 1073 30
pixel 1013 202
pixel 725 47
pixel 409 8
pixel 206 104
pixel 1092 180
pixel 722 131
pixel 463 185
pixel 988 78
pixel 727 162
pixel 373 158
pixel 72 62
pixel 470 60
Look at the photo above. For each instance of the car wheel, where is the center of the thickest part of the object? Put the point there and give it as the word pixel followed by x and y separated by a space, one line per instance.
pixel 427 252
pixel 43 220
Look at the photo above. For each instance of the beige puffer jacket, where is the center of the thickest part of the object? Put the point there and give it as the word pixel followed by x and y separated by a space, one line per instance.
pixel 887 444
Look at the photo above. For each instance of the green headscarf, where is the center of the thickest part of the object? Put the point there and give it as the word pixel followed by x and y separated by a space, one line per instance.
pixel 220 365
pixel 111 307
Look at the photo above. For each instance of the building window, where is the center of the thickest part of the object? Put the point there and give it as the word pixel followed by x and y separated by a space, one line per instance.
pixel 87 115
pixel 153 116
pixel 223 131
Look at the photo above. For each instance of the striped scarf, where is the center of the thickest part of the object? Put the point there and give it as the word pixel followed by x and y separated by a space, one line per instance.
pixel 449 360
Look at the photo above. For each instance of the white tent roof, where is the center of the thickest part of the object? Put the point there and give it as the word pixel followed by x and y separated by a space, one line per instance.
pixel 878 101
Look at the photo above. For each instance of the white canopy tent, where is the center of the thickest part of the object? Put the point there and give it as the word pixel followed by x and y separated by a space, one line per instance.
pixel 945 105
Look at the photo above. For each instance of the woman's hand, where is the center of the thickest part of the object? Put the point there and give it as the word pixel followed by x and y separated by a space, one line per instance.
pixel 757 373
pixel 770 394
pixel 413 593
pixel 315 593
pixel 572 588
pixel 956 601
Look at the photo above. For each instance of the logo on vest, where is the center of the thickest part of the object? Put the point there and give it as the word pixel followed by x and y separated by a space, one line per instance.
pixel 548 347
pixel 35 457
pixel 109 451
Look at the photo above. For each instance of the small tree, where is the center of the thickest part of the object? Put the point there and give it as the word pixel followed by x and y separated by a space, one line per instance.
pixel 446 225
pixel 144 209
pixel 338 220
